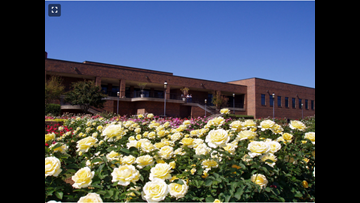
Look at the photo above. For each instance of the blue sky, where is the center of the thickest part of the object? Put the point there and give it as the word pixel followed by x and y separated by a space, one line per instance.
pixel 219 41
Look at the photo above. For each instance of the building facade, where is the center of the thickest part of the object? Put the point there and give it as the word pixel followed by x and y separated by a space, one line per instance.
pixel 142 91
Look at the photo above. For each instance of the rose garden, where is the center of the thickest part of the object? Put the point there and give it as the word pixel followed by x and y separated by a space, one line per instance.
pixel 150 159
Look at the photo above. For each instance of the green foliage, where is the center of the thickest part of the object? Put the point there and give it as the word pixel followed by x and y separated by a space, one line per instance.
pixel 86 94
pixel 54 109
pixel 53 90
pixel 229 182
pixel 219 100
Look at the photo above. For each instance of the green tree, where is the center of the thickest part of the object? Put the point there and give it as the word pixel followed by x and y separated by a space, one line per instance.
pixel 53 90
pixel 219 100
pixel 85 94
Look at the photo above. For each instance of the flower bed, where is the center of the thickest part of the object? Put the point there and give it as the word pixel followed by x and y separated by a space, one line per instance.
pixel 174 160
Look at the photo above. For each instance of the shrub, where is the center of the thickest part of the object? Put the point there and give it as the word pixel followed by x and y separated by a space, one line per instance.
pixel 53 109
pixel 232 161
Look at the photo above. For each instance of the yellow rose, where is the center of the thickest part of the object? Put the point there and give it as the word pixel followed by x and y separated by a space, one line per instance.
pixel 166 152
pixel 247 135
pixel 61 149
pixel 288 137
pixel 250 124
pixel 208 164
pixel 231 148
pixel 310 136
pixel 125 175
pixel 84 145
pixel 173 165
pixel 128 160
pixel 52 167
pixel 271 157
pixel 225 111
pixel 49 137
pixel 259 180
pixel 258 148
pixel 161 134
pixel 193 171
pixel 305 184
pixel 274 146
pixel 113 156
pixel 161 171
pixel 202 149
pixel 144 161
pixel 92 197
pixel 297 125
pixel 236 126
pixel 217 138
pixel 83 178
pixel 187 142
pixel 113 132
pixel 155 191
pixel 178 191
pixel 267 125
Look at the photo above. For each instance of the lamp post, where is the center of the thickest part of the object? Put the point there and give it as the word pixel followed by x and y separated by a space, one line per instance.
pixel 118 98
pixel 165 87
pixel 205 106
pixel 273 95
pixel 234 102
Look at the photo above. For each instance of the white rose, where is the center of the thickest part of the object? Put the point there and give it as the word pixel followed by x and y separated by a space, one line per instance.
pixel 155 191
pixel 217 138
pixel 52 167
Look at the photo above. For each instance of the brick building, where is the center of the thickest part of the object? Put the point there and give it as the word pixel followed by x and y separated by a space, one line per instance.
pixel 248 100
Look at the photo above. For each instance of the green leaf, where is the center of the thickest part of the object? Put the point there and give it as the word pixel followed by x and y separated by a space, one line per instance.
pixel 208 183
pixel 59 195
pixel 126 151
pixel 239 193
pixel 96 160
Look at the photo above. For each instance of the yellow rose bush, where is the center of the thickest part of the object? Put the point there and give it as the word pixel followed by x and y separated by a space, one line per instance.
pixel 150 159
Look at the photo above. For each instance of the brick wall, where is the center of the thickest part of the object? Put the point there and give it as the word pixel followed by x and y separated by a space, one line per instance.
pixel 257 87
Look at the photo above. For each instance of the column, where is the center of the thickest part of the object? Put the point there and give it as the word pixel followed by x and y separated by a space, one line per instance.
pixel 122 88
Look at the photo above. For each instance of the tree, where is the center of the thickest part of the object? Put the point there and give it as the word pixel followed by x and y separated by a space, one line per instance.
pixel 53 90
pixel 219 100
pixel 86 94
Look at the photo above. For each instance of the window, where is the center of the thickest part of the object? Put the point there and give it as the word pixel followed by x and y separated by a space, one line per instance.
pixel 294 103
pixel 263 99
pixel 272 101
pixel 279 101
pixel 287 105
pixel 312 105
pixel 300 104
pixel 307 104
